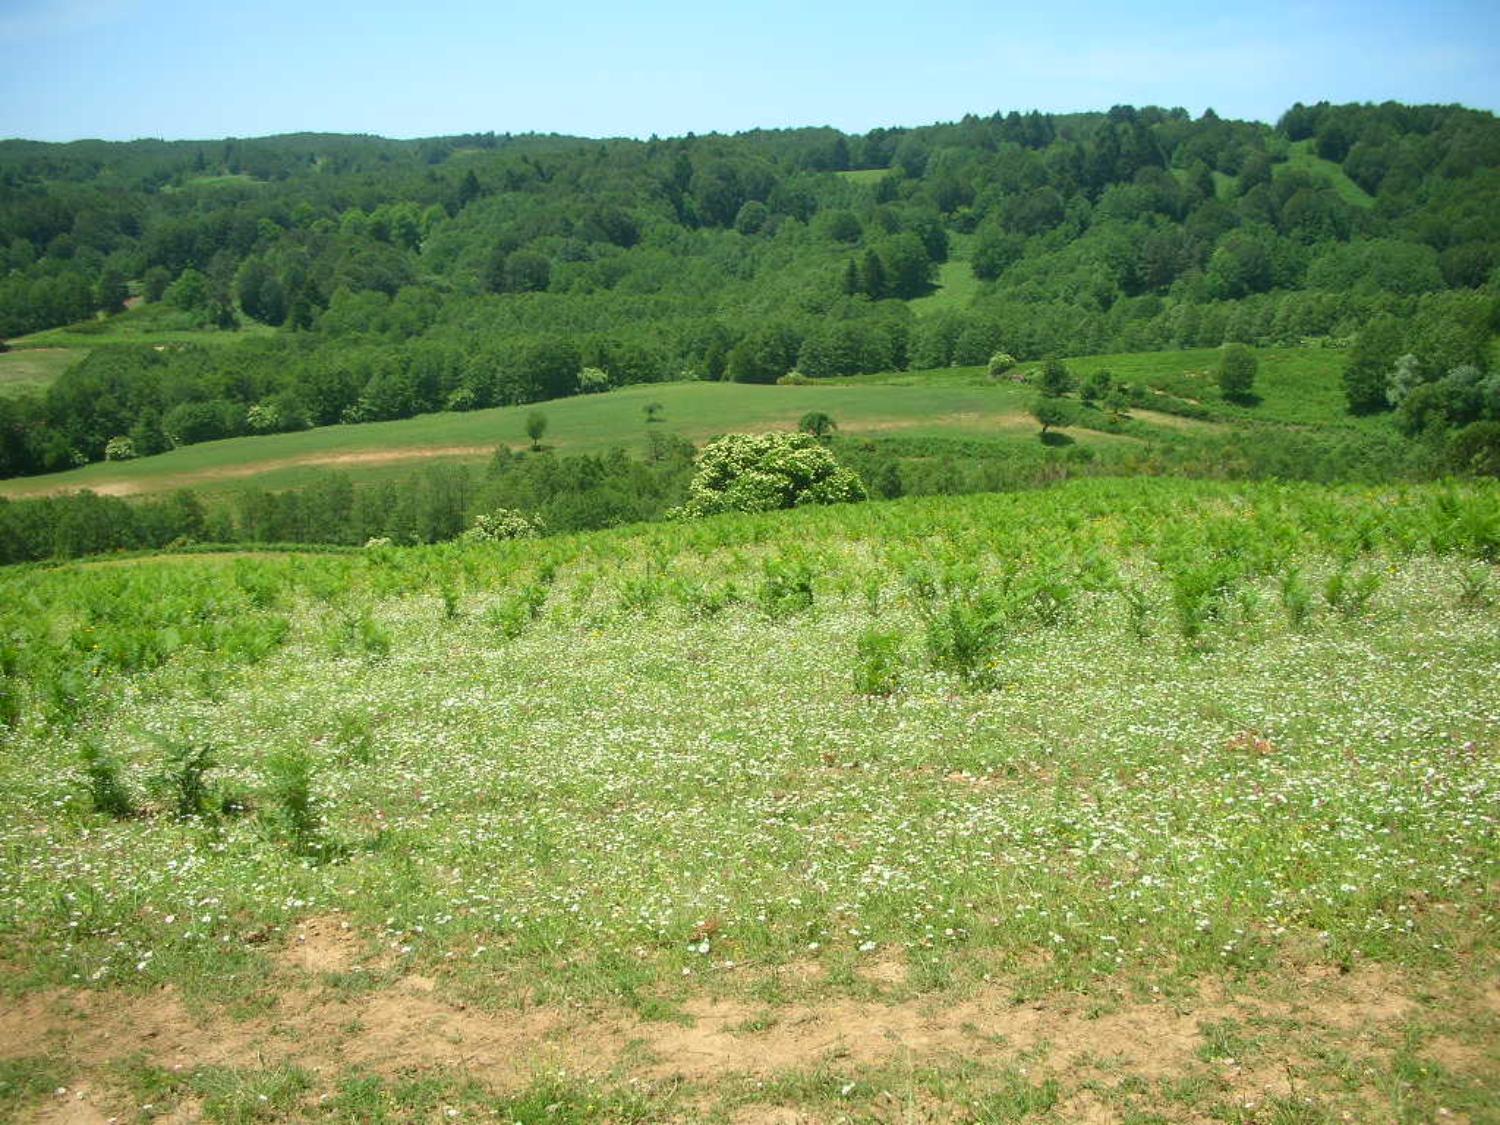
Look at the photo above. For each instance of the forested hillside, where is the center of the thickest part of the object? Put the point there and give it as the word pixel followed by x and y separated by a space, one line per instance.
pixel 375 279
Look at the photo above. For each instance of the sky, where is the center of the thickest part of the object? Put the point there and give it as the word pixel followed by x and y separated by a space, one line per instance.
pixel 119 69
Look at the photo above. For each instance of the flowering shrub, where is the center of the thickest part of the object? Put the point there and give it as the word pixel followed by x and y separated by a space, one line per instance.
pixel 119 449
pixel 764 472
pixel 1000 363
pixel 591 380
pixel 504 523
pixel 263 418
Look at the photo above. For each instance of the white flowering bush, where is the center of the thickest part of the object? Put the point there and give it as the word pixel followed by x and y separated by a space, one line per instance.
pixel 764 472
pixel 263 418
pixel 1000 363
pixel 503 524
pixel 592 380
pixel 119 449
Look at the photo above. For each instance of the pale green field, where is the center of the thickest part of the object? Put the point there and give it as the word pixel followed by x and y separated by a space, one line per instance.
pixel 580 424
pixel 1298 386
pixel 956 283
pixel 144 324
pixel 1125 801
pixel 32 369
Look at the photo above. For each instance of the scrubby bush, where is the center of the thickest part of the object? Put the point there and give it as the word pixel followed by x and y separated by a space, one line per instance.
pixel 296 812
pixel 817 423
pixel 964 623
pixel 503 524
pixel 787 587
pixel 592 380
pixel 766 472
pixel 1237 369
pixel 1050 412
pixel 1096 387
pixel 1000 363
pixel 119 449
pixel 877 661
pixel 106 791
pixel 186 776
pixel 1476 449
pixel 1054 380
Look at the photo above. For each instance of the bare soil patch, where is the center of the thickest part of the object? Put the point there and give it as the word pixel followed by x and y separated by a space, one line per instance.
pixel 323 944
pixel 413 1023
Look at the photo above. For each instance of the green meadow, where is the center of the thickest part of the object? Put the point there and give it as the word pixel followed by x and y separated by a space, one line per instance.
pixel 1298 387
pixel 29 370
pixel 1144 800
pixel 1301 157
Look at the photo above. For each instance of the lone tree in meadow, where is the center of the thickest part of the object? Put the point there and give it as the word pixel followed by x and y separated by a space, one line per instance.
pixel 1056 380
pixel 1050 412
pixel 818 424
pixel 1095 387
pixel 764 472
pixel 1237 370
pixel 536 426
pixel 652 411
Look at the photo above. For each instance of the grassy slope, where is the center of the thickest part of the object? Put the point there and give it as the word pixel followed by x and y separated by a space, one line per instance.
pixel 31 369
pixel 956 284
pixel 1298 385
pixel 144 324
pixel 1302 157
pixel 647 856
pixel 865 175
pixel 577 424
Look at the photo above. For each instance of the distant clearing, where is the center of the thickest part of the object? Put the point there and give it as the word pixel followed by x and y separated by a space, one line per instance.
pixel 139 324
pixel 865 175
pixel 1300 156
pixel 956 283
pixel 31 369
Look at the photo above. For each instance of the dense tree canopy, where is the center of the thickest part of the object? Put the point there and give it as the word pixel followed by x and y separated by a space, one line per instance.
pixel 460 272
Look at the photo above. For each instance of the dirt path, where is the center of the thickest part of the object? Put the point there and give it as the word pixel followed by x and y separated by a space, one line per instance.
pixel 412 1022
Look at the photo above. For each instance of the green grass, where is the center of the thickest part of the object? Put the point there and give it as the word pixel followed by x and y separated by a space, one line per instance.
pixel 1298 386
pixel 656 858
pixel 144 324
pixel 225 180
pixel 864 175
pixel 956 283
pixel 32 369
pixel 576 425
pixel 1300 156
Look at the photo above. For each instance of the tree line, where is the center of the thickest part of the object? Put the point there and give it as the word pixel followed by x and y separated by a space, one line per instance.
pixel 452 273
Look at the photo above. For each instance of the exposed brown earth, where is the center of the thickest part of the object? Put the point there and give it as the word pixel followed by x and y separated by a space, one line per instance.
pixel 412 1022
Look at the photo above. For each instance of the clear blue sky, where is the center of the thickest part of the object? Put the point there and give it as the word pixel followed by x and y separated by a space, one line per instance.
pixel 160 68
